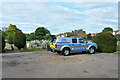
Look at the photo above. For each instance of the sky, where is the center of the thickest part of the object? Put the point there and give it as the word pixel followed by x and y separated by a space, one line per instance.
pixel 60 17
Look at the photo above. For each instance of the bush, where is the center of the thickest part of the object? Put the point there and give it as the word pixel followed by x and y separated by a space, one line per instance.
pixel 106 42
pixel 2 41
pixel 19 40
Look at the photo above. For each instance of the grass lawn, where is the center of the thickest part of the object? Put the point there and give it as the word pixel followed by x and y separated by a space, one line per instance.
pixel 117 52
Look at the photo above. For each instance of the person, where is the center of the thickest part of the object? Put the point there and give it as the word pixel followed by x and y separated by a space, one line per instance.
pixel 48 46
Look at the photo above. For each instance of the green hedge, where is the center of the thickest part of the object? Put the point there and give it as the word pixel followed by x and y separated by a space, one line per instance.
pixel 19 40
pixel 106 42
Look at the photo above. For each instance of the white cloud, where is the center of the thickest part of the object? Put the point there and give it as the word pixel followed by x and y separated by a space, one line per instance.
pixel 58 1
pixel 58 18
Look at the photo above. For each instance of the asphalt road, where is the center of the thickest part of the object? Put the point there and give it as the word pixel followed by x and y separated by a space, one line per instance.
pixel 45 64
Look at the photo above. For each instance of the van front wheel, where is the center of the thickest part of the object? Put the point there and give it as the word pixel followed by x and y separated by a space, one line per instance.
pixel 92 50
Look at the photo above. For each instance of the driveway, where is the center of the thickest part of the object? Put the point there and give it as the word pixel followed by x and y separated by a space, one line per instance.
pixel 45 64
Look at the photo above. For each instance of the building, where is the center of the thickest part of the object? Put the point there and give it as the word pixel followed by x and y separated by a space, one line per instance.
pixel 116 32
pixel 93 34
pixel 79 33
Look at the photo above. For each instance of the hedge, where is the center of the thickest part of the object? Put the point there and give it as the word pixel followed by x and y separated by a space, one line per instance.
pixel 105 41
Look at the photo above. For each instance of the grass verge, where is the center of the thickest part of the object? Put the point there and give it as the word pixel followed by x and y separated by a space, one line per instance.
pixel 117 52
pixel 22 50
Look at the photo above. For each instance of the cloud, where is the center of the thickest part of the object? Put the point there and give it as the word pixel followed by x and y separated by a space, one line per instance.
pixel 59 18
pixel 59 1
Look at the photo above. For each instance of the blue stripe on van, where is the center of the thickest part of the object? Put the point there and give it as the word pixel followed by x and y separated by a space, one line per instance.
pixel 76 44
pixel 79 48
pixel 69 44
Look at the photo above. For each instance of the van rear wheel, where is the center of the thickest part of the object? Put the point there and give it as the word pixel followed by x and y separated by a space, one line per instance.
pixel 66 51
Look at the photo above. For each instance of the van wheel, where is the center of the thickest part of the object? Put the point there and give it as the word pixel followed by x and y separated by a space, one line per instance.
pixel 92 50
pixel 66 51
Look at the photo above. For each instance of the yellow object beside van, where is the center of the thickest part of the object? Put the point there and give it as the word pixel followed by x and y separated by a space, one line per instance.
pixel 52 46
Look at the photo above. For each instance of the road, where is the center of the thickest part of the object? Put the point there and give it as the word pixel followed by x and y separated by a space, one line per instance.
pixel 45 64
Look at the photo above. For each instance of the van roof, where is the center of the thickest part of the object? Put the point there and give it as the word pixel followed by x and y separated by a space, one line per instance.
pixel 69 37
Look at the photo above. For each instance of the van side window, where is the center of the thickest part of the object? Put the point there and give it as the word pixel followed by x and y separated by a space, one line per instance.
pixel 81 40
pixel 74 40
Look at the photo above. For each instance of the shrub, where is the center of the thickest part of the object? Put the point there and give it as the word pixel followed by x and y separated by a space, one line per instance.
pixel 19 40
pixel 106 42
pixel 2 41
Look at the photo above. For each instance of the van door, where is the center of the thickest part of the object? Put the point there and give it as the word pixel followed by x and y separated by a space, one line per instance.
pixel 82 44
pixel 74 45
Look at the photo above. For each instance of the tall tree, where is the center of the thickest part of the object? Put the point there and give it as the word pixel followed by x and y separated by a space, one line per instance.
pixel 19 40
pixel 12 29
pixel 10 32
pixel 47 37
pixel 2 41
pixel 107 29
pixel 4 34
pixel 10 40
pixel 41 32
pixel 30 37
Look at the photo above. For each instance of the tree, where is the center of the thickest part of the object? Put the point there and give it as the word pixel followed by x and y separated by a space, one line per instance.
pixel 53 37
pixel 41 32
pixel 89 37
pixel 10 39
pixel 19 40
pixel 2 41
pixel 4 34
pixel 47 37
pixel 30 37
pixel 107 29
pixel 10 32
pixel 12 29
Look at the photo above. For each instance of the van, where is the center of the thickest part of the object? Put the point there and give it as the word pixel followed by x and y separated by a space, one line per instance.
pixel 67 45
